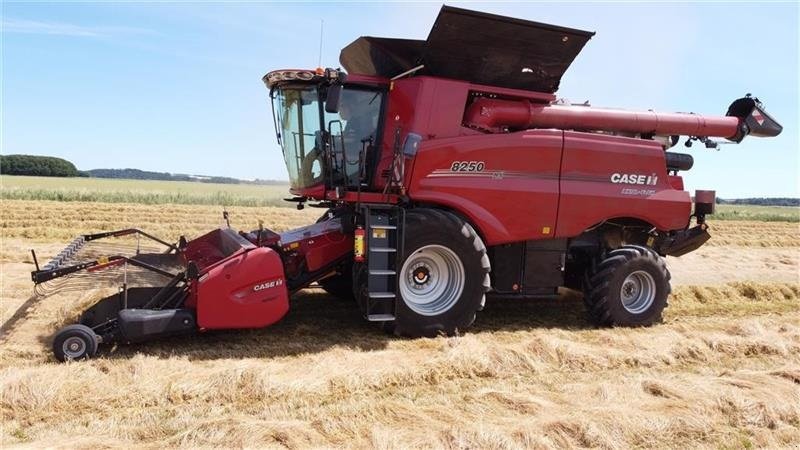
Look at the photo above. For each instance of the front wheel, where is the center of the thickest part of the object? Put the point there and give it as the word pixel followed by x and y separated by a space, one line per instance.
pixel 74 342
pixel 443 276
pixel 629 287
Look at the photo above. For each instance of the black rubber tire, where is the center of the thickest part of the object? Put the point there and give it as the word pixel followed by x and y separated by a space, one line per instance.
pixel 81 332
pixel 427 227
pixel 604 281
pixel 341 284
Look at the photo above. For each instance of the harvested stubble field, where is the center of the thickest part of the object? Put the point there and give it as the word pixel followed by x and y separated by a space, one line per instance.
pixel 722 371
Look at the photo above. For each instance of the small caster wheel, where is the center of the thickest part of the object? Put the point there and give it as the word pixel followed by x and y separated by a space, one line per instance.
pixel 74 342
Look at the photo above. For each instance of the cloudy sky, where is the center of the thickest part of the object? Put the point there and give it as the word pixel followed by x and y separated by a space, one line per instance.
pixel 176 86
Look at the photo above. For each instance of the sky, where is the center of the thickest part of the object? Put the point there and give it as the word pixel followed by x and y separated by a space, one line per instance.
pixel 176 87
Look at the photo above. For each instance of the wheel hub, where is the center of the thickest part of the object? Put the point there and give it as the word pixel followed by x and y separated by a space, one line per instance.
pixel 74 347
pixel 638 292
pixel 422 275
pixel 432 280
pixel 630 289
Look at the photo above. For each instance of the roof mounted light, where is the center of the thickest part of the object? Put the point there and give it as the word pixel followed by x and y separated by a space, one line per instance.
pixel 278 76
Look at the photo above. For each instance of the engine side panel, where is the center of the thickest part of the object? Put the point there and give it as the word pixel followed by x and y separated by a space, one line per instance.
pixel 506 184
pixel 603 177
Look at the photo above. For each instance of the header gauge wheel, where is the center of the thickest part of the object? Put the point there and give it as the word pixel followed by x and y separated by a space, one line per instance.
pixel 74 342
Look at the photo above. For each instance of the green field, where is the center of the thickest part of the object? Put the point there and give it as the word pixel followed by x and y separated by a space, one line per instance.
pixel 150 192
pixel 760 213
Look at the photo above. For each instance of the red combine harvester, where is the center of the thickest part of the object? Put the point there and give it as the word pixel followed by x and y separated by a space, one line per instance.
pixel 449 172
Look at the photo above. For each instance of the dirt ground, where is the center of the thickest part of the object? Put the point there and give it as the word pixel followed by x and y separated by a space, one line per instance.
pixel 722 371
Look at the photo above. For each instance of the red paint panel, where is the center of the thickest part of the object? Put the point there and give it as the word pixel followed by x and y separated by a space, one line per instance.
pixel 320 243
pixel 676 182
pixel 513 197
pixel 247 291
pixel 434 109
pixel 588 195
pixel 399 117
pixel 327 248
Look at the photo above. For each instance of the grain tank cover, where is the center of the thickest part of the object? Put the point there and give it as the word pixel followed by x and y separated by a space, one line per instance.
pixel 383 57
pixel 477 47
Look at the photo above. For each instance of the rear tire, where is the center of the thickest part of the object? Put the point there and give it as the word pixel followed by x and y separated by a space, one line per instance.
pixel 74 342
pixel 629 288
pixel 442 278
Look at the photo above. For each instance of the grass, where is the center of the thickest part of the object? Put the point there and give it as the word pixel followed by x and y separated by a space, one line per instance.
pixel 148 192
pixel 757 213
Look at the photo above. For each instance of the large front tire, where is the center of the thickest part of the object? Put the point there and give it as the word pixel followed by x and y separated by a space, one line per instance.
pixel 629 287
pixel 442 277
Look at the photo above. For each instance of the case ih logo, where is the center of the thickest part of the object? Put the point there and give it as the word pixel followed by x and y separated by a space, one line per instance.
pixel 632 178
pixel 267 285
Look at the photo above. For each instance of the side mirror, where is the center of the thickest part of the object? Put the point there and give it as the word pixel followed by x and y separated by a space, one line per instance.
pixel 332 100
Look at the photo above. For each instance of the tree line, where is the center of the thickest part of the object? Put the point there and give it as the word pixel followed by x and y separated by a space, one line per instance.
pixel 762 201
pixel 43 166
pixel 136 174
pixel 49 166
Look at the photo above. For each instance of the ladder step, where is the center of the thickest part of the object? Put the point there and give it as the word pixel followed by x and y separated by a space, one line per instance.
pixel 382 249
pixel 383 227
pixel 381 272
pixel 380 317
pixel 381 295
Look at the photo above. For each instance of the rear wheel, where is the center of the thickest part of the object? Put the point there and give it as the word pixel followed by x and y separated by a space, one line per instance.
pixel 443 276
pixel 74 342
pixel 629 287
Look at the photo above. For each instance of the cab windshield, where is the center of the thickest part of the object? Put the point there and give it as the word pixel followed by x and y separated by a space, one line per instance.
pixel 318 145
pixel 297 114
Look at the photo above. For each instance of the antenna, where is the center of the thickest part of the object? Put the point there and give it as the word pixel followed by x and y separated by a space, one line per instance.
pixel 321 28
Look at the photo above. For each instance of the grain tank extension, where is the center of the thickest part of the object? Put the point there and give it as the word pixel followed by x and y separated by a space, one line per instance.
pixel 446 171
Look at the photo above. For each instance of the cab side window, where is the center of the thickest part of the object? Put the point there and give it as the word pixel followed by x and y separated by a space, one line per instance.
pixel 359 111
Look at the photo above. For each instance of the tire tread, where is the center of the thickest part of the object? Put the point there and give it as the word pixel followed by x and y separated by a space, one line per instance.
pixel 597 282
pixel 425 217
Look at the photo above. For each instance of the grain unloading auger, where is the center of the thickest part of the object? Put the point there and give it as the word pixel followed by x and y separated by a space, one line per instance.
pixel 449 171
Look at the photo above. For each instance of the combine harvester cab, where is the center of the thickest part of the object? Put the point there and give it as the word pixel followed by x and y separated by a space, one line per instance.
pixel 450 171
